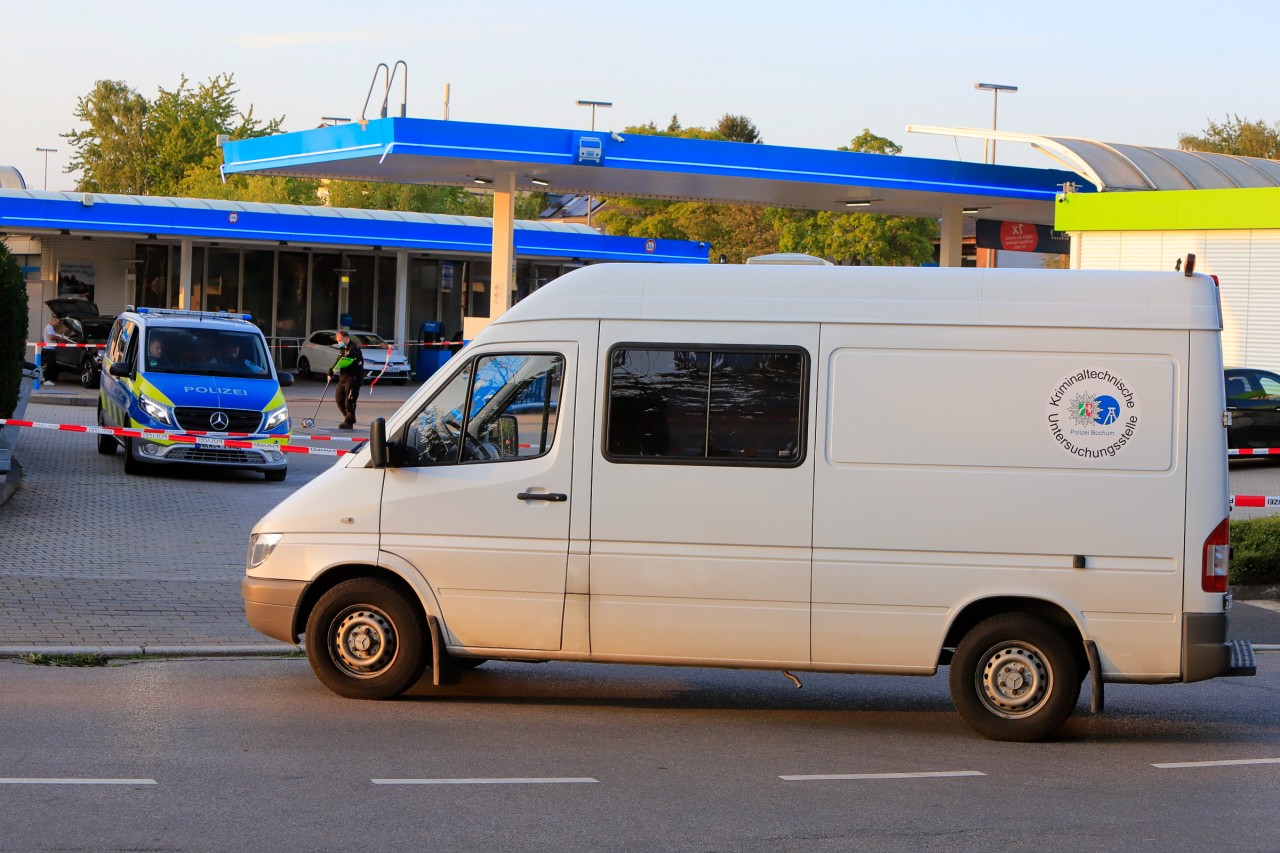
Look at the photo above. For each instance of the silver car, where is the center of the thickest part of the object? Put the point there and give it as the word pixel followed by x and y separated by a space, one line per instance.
pixel 320 353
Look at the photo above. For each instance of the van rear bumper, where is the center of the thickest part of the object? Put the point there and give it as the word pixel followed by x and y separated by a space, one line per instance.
pixel 271 605
pixel 1207 654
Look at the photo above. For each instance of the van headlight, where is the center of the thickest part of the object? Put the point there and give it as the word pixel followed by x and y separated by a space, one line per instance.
pixel 260 547
pixel 275 417
pixel 156 410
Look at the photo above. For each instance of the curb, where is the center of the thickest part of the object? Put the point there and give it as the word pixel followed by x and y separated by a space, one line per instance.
pixel 272 650
pixel 59 399
pixel 11 481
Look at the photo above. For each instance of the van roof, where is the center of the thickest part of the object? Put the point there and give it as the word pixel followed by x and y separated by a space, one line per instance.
pixel 886 295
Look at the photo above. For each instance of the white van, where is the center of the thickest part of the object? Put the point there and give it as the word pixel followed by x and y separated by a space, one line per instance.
pixel 1019 473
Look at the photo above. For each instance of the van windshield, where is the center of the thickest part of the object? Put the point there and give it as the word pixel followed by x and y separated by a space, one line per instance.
pixel 206 352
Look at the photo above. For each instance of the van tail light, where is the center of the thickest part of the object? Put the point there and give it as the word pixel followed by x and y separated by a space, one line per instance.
pixel 1217 558
pixel 1215 281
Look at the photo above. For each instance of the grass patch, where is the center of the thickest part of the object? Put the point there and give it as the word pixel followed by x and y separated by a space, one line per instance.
pixel 1255 550
pixel 75 659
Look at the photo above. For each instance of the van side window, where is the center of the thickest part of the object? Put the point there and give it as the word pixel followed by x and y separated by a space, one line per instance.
pixel 497 408
pixel 706 405
pixel 118 345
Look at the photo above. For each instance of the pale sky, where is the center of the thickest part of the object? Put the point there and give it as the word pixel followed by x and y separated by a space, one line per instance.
pixel 809 74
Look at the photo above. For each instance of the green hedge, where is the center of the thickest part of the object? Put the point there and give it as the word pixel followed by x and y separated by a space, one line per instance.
pixel 1255 550
pixel 13 322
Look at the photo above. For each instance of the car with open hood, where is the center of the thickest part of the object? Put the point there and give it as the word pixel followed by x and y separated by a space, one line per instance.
pixel 85 324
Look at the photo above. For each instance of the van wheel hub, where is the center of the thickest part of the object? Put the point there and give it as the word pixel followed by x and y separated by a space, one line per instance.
pixel 363 642
pixel 1014 680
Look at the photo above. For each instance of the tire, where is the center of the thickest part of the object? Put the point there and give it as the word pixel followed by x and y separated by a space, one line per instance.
pixel 365 640
pixel 304 369
pixel 107 444
pixel 276 476
pixel 131 465
pixel 89 373
pixel 1015 678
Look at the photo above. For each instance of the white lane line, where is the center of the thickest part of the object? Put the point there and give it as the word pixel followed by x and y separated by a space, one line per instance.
pixel 834 776
pixel 553 780
pixel 33 781
pixel 1175 765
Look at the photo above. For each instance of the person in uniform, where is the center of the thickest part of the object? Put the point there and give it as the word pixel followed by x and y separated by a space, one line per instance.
pixel 350 371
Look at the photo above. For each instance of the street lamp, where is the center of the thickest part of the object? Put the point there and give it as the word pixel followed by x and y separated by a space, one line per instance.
pixel 593 105
pixel 46 152
pixel 995 89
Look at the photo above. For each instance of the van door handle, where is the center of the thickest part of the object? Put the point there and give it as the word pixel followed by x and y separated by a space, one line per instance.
pixel 554 497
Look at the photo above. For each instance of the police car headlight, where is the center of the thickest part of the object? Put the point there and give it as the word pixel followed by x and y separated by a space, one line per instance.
pixel 260 547
pixel 158 411
pixel 275 417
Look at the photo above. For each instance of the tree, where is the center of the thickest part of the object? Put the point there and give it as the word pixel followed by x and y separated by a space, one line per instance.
pixel 868 143
pixel 184 125
pixel 141 147
pixel 1236 136
pixel 738 129
pixel 112 153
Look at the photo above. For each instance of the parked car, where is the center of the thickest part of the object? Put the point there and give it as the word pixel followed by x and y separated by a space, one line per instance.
pixel 85 325
pixel 320 353
pixel 1253 399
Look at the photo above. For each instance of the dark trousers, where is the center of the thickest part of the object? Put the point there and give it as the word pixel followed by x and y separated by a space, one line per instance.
pixel 346 395
pixel 48 365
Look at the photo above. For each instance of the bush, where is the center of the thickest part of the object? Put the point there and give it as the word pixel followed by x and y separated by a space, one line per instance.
pixel 1255 550
pixel 13 320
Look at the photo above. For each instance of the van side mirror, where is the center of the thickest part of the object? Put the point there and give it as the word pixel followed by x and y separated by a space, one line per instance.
pixel 285 379
pixel 378 442
pixel 120 368
pixel 508 436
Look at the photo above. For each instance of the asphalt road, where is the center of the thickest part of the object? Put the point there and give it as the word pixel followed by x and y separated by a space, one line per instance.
pixel 254 754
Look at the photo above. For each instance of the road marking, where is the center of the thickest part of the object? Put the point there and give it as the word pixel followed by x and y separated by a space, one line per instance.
pixel 1175 765
pixel 834 776
pixel 19 781
pixel 553 780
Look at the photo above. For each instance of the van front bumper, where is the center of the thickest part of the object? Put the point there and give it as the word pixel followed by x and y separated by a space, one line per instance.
pixel 1207 654
pixel 271 606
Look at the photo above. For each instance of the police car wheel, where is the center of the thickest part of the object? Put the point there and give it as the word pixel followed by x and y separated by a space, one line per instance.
pixel 106 443
pixel 366 640
pixel 132 465
pixel 1014 678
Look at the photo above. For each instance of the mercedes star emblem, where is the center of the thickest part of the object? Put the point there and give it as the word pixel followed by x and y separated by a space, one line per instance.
pixel 219 420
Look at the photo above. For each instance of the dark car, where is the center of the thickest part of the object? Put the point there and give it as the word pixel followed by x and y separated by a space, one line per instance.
pixel 85 325
pixel 1253 399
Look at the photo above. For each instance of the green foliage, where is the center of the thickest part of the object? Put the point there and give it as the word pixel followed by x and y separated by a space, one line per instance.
pixel 868 143
pixel 738 129
pixel 1255 550
pixel 140 147
pixel 861 238
pixel 1236 136
pixel 13 317
pixel 72 659
pixel 113 153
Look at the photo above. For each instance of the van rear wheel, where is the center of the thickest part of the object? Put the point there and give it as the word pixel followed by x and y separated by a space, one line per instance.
pixel 1014 678
pixel 366 640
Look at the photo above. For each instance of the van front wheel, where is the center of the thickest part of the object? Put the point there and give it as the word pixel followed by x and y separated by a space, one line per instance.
pixel 365 640
pixel 1014 678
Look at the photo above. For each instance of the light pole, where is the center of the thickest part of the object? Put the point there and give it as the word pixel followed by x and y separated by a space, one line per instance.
pixel 593 105
pixel 995 89
pixel 46 152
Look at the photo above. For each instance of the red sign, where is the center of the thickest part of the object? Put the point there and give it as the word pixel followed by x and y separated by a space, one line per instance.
pixel 1018 236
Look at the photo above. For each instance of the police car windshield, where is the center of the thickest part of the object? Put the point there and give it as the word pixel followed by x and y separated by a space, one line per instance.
pixel 206 352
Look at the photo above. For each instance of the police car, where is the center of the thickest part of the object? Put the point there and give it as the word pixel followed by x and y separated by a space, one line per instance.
pixel 192 371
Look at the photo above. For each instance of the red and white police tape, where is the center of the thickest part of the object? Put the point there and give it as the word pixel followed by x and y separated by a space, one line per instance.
pixel 1253 451
pixel 66 346
pixel 203 439
pixel 1255 500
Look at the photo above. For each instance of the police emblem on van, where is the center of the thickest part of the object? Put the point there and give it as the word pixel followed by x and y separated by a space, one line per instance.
pixel 1092 414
